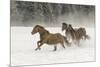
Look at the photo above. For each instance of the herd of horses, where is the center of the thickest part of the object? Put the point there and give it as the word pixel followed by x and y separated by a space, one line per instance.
pixel 76 34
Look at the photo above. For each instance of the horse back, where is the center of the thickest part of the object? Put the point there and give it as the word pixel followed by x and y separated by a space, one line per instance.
pixel 55 38
pixel 80 33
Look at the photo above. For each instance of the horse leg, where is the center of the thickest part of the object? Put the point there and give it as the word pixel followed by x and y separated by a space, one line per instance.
pixel 39 46
pixel 55 48
pixel 68 43
pixel 78 43
pixel 62 44
pixel 75 42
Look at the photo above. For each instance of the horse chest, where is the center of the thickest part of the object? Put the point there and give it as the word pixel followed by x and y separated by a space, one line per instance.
pixel 43 36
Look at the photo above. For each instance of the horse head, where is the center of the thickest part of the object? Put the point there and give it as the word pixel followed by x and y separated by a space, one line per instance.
pixel 64 26
pixel 69 28
pixel 36 29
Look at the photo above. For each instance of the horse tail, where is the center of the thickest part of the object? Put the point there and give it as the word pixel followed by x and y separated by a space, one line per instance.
pixel 82 32
pixel 87 37
pixel 66 41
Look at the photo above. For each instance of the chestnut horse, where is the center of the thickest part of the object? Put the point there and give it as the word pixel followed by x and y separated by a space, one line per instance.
pixel 48 38
pixel 76 34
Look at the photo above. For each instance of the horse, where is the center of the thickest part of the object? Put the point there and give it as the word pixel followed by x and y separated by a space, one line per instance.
pixel 75 34
pixel 48 38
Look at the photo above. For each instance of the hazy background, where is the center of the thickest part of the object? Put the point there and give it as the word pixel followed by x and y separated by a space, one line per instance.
pixel 25 13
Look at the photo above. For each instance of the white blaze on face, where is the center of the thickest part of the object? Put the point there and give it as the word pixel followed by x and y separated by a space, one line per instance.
pixel 69 38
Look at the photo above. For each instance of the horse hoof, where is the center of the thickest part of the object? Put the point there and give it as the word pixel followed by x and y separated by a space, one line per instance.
pixel 39 48
pixel 54 50
pixel 36 49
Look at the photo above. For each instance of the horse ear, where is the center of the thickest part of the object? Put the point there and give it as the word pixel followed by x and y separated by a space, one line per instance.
pixel 37 25
pixel 70 25
pixel 64 24
pixel 40 28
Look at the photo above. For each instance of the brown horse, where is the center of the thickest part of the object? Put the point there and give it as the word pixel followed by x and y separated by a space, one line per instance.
pixel 76 34
pixel 48 38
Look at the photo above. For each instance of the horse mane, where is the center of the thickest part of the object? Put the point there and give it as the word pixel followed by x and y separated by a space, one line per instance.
pixel 71 27
pixel 44 30
pixel 39 26
pixel 64 23
pixel 72 31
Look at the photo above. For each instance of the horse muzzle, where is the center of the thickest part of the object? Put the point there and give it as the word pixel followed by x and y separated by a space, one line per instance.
pixel 62 29
pixel 32 33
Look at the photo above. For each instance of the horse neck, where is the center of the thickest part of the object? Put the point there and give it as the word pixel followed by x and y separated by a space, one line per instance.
pixel 72 32
pixel 44 33
pixel 73 29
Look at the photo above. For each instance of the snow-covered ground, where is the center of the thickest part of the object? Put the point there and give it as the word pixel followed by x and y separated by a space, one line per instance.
pixel 23 46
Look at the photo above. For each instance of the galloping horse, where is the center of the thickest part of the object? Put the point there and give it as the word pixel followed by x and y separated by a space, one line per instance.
pixel 76 34
pixel 48 38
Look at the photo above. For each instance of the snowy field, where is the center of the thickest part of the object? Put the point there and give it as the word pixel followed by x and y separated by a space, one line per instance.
pixel 23 46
